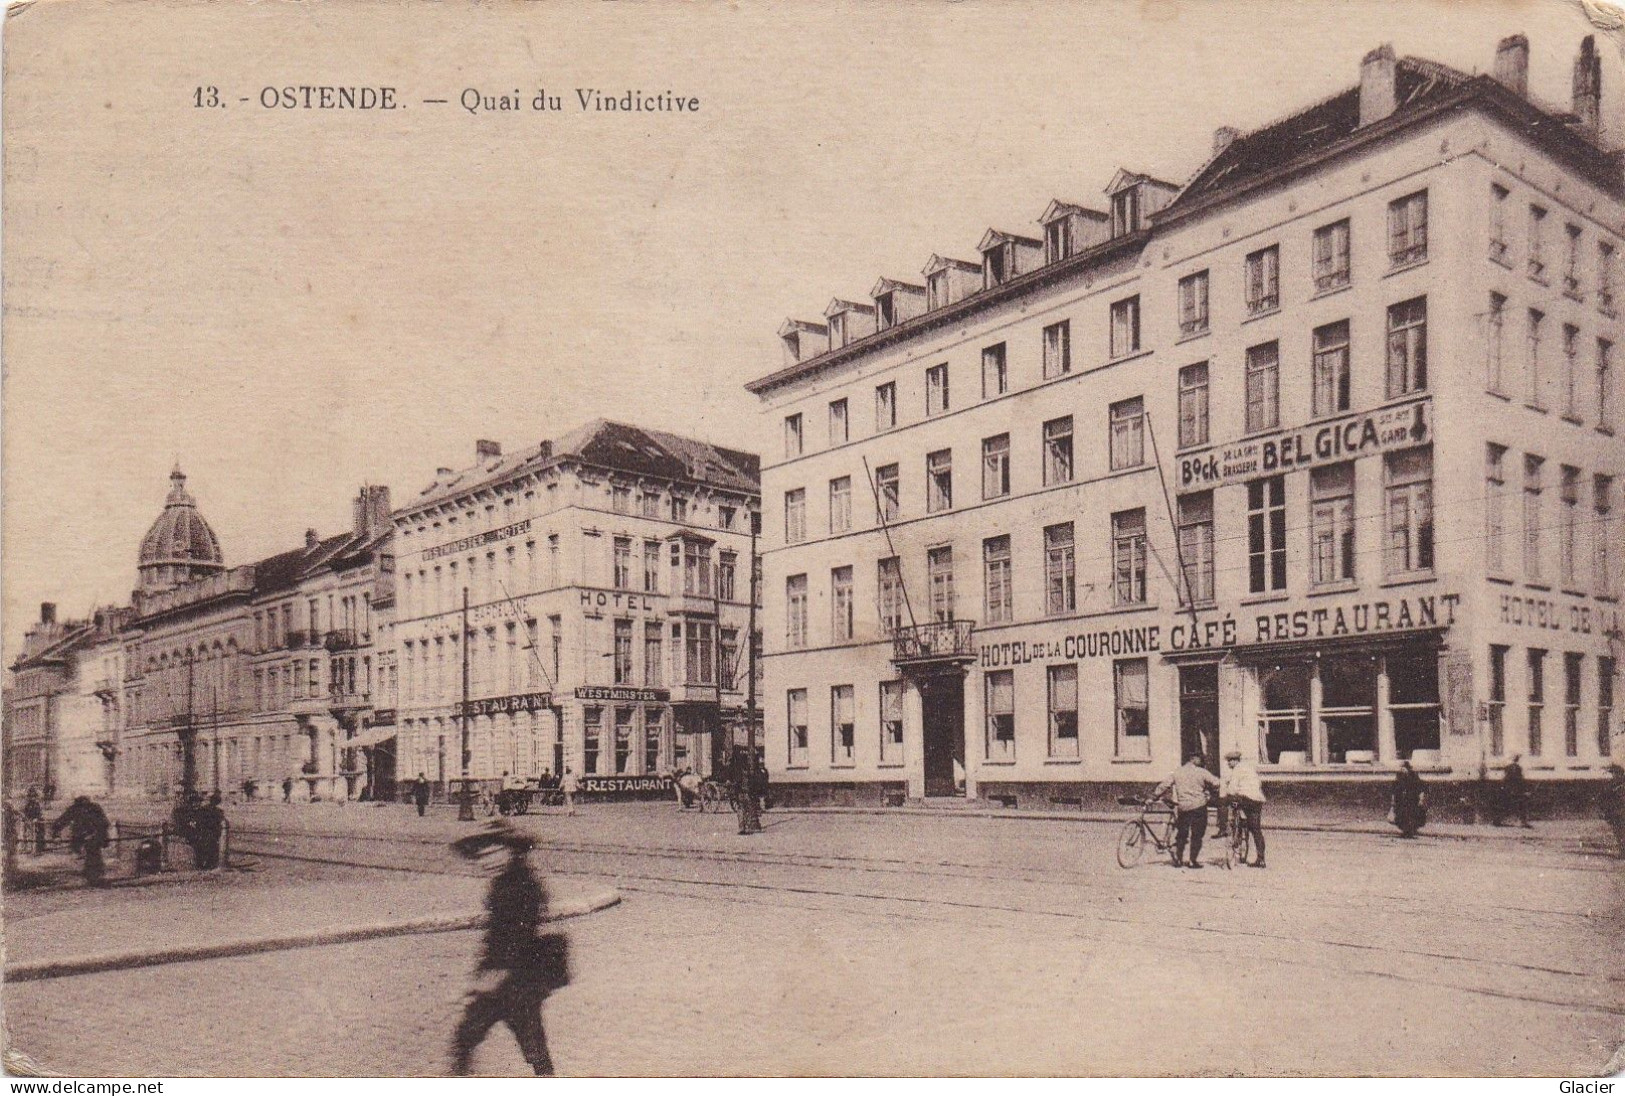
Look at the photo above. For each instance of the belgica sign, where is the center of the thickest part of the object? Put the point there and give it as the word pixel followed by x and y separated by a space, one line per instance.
pixel 1399 427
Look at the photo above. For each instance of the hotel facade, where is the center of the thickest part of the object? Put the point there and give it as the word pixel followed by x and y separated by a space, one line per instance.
pixel 606 576
pixel 1314 456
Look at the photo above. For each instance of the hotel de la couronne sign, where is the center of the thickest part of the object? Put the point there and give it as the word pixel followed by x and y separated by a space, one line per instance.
pixel 1362 435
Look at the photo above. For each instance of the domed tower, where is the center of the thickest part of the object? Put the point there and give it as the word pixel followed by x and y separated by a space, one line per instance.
pixel 180 546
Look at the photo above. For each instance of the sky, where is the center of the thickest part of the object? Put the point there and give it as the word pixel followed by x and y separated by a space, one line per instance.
pixel 293 303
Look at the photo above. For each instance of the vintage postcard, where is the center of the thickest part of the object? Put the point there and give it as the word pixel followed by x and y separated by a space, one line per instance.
pixel 783 539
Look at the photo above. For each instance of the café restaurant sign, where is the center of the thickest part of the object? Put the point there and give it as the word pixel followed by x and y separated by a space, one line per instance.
pixel 1183 635
pixel 1343 439
pixel 620 692
pixel 611 785
pixel 521 702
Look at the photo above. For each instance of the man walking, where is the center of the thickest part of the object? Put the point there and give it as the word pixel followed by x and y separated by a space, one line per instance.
pixel 1410 801
pixel 88 834
pixel 208 824
pixel 518 968
pixel 34 821
pixel 420 793
pixel 1189 784
pixel 1514 794
pixel 569 786
pixel 1243 792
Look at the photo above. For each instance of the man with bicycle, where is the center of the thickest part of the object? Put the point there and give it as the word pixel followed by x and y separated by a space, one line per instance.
pixel 1243 795
pixel 1189 786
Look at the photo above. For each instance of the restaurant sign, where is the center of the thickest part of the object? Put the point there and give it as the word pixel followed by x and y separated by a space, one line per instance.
pixel 610 785
pixel 521 702
pixel 621 692
pixel 1342 439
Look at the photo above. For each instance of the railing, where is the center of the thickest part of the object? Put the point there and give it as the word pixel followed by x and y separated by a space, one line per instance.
pixel 298 638
pixel 950 640
pixel 340 639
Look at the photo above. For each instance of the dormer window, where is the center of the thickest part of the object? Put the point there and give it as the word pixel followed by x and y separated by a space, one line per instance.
pixel 936 289
pixel 1059 240
pixel 997 264
pixel 837 330
pixel 1126 211
pixel 885 314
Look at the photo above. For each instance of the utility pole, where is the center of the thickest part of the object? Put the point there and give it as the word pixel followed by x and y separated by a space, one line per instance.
pixel 465 802
pixel 188 738
pixel 214 705
pixel 750 819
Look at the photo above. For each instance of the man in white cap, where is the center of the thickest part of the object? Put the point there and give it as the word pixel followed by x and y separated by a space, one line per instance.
pixel 1243 793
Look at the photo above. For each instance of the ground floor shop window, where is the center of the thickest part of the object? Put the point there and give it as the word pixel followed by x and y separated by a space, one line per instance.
pixel 1498 700
pixel 891 722
pixel 1573 668
pixel 654 722
pixel 1605 706
pixel 1199 711
pixel 1063 711
pixel 1133 709
pixel 796 703
pixel 1348 708
pixel 1537 697
pixel 1283 714
pixel 1413 701
pixel 1001 716
pixel 841 734
pixel 592 724
pixel 623 740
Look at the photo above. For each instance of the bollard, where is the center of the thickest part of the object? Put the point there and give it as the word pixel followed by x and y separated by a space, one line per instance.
pixel 225 846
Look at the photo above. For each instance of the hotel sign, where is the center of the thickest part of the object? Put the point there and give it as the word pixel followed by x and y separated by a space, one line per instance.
pixel 477 541
pixel 1559 616
pixel 617 599
pixel 1344 439
pixel 621 692
pixel 500 705
pixel 1183 635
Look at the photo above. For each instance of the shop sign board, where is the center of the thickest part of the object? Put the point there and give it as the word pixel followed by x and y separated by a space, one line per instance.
pixel 477 541
pixel 621 692
pixel 609 785
pixel 1398 427
pixel 521 702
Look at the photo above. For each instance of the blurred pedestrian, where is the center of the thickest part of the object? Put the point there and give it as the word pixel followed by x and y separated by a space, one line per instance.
pixel 208 823
pixel 569 786
pixel 34 821
pixel 287 789
pixel 1410 801
pixel 518 966
pixel 1189 785
pixel 1613 806
pixel 88 833
pixel 1514 797
pixel 13 823
pixel 420 793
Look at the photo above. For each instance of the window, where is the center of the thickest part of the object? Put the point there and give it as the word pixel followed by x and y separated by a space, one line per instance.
pixel 1263 271
pixel 796 726
pixel 1531 517
pixel 891 722
pixel 1407 347
pixel 620 498
pixel 1603 542
pixel 1408 229
pixel 1498 699
pixel 653 657
pixel 837 330
pixel 649 503
pixel 1058 349
pixel 1605 279
pixel 623 563
pixel 1263 387
pixel 1058 239
pixel 890 586
pixel 1331 369
pixel 1060 570
pixel 1196 546
pixel 696 568
pixel 1571 262
pixel 885 406
pixel 1410 511
pixel 1331 524
pixel 840 588
pixel 1266 535
pixel 841 737
pixel 1128 557
pixel 1573 672
pixel 1495 324
pixel 936 389
pixel 792 435
pixel 939 480
pixel 1193 315
pixel 1125 211
pixel 885 312
pixel 886 487
pixel 1063 711
pixel 995 377
pixel 701 655
pixel 1537 697
pixel 1001 715
pixel 1125 333
pixel 998 264
pixel 1533 371
pixel 840 504
pixel 837 422
pixel 1128 434
pixel 1129 679
pixel 1605 385
pixel 727 570
pixel 1193 405
pixel 623 652
pixel 940 576
pixel 679 508
pixel 555 627
pixel 1331 256
pixel 651 739
pixel 1498 227
pixel 1495 487
pixel 1537 230
pixel 1058 451
pixel 651 566
pixel 795 516
pixel 996 466
pixel 1568 525
pixel 1605 706
pixel 795 610
pixel 592 727
pixel 996 580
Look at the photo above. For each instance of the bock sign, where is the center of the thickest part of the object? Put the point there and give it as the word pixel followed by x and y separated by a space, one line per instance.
pixel 1354 436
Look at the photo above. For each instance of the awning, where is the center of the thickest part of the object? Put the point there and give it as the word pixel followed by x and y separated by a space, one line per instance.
pixel 370 736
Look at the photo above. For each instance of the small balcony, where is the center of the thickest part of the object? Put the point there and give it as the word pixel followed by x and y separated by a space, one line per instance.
pixel 938 641
pixel 341 701
pixel 298 638
pixel 340 639
pixel 700 605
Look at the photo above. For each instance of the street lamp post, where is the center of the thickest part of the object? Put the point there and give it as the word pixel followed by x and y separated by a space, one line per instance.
pixel 465 801
pixel 750 816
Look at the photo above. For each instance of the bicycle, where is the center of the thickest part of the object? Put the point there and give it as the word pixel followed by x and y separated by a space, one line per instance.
pixel 1240 841
pixel 715 795
pixel 1154 826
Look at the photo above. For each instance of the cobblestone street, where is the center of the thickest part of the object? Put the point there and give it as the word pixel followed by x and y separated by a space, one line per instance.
pixel 842 944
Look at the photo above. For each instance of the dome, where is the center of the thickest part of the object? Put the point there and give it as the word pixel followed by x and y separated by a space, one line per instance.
pixel 180 546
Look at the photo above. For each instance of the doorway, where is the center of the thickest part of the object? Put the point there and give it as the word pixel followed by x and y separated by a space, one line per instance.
pixel 1199 713
pixel 942 714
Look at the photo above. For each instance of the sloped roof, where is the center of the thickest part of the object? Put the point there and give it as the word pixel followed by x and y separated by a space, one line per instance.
pixel 284 570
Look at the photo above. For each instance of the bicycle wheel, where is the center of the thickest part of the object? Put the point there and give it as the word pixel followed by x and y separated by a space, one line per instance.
pixel 710 798
pixel 1234 845
pixel 1130 845
pixel 1167 844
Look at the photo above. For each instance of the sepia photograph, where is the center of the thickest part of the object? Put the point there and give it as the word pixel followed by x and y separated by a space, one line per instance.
pixel 789 539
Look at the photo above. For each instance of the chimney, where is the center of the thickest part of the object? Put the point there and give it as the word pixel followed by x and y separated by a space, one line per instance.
pixel 1224 137
pixel 47 612
pixel 1588 87
pixel 372 513
pixel 1512 65
pixel 1377 96
pixel 546 451
pixel 485 450
pixel 311 539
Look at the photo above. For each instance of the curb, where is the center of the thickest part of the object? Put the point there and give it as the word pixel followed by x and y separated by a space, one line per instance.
pixel 129 960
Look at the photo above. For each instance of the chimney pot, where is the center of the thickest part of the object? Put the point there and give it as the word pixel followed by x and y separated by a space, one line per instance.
pixel 311 539
pixel 1224 137
pixel 1377 94
pixel 1512 65
pixel 441 473
pixel 485 449
pixel 1588 87
pixel 47 612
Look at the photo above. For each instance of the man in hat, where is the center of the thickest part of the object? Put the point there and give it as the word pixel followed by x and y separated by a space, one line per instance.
pixel 88 828
pixel 1189 784
pixel 208 825
pixel 1514 793
pixel 420 793
pixel 518 968
pixel 1243 793
pixel 34 821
